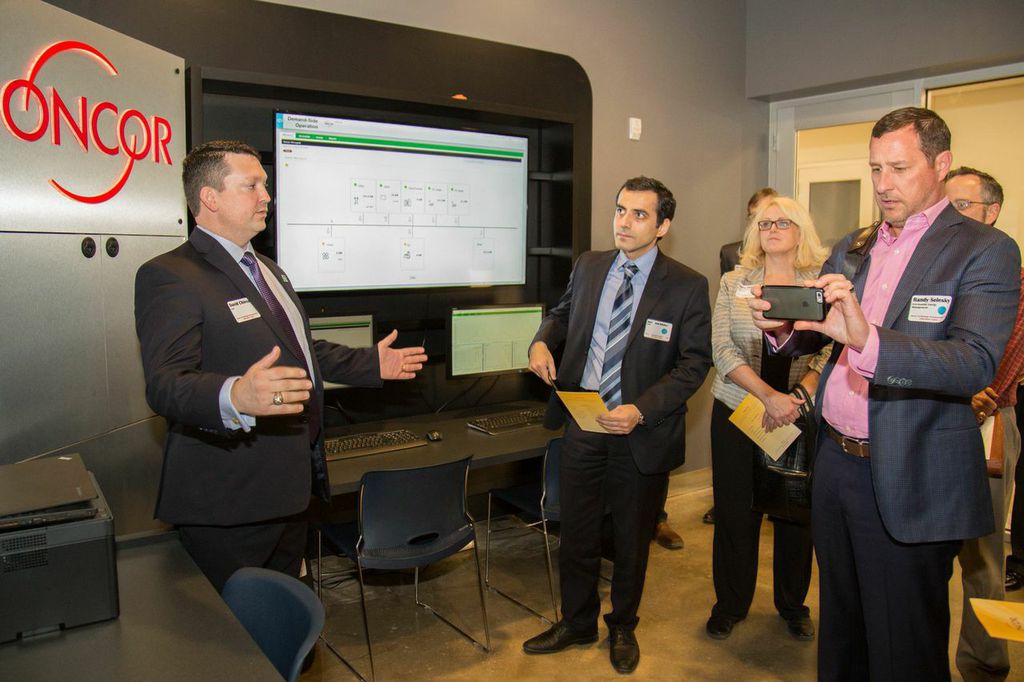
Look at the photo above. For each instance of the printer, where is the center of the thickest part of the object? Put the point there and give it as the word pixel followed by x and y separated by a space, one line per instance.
pixel 57 565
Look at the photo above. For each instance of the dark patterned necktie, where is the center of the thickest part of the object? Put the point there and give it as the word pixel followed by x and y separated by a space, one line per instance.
pixel 292 341
pixel 249 261
pixel 618 335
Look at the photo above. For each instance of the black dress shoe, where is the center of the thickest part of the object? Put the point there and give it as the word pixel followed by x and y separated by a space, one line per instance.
pixel 557 637
pixel 624 650
pixel 1014 580
pixel 800 627
pixel 709 516
pixel 719 627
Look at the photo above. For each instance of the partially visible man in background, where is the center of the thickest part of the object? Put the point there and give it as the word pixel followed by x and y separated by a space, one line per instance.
pixel 977 195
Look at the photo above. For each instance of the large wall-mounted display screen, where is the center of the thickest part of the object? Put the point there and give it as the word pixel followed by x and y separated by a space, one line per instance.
pixel 370 205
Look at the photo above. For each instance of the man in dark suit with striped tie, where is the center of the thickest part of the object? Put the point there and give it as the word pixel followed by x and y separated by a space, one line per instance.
pixel 229 361
pixel 635 326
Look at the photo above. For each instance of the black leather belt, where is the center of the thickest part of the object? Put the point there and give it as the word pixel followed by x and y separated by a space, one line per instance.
pixel 851 446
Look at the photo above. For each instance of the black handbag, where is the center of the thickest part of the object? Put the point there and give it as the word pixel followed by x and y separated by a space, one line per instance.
pixel 782 487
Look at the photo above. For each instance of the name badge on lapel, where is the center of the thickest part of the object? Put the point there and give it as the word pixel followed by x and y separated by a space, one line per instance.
pixel 243 310
pixel 657 330
pixel 929 308
pixel 744 291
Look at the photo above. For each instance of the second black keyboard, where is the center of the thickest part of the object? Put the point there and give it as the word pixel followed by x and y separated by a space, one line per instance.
pixel 507 421
pixel 361 444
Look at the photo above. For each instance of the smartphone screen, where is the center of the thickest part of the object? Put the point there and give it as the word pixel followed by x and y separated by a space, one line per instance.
pixel 794 303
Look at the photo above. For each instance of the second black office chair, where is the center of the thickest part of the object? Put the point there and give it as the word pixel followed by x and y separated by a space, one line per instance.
pixel 410 518
pixel 540 501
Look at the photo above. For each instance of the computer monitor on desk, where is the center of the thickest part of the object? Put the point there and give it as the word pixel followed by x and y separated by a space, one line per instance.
pixel 494 340
pixel 354 331
pixel 491 339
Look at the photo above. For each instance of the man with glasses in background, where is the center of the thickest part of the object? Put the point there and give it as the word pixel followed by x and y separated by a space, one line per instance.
pixel 977 195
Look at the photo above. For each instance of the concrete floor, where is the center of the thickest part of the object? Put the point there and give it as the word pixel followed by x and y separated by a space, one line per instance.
pixel 412 644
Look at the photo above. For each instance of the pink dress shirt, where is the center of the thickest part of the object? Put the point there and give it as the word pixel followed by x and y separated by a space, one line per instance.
pixel 845 400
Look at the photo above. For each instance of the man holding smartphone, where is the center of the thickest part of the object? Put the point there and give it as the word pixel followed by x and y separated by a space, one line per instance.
pixel 900 481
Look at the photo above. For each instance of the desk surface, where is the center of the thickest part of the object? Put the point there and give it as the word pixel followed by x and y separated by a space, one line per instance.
pixel 458 441
pixel 173 626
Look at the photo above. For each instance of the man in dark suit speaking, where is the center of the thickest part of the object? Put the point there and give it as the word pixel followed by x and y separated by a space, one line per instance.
pixel 635 325
pixel 229 361
pixel 919 327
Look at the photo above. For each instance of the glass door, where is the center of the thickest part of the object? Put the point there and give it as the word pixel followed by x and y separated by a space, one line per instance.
pixel 833 179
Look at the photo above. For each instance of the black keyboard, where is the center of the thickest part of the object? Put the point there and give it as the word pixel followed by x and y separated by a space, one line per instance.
pixel 507 421
pixel 360 444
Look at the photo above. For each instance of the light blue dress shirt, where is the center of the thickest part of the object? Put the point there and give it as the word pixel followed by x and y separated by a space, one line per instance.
pixel 599 339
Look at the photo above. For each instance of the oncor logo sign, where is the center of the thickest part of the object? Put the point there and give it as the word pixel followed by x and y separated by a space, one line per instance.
pixel 102 124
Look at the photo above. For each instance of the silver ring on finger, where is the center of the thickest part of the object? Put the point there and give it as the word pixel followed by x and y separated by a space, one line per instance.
pixel 278 399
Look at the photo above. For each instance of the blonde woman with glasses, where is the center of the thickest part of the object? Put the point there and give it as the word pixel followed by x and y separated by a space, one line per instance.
pixel 781 246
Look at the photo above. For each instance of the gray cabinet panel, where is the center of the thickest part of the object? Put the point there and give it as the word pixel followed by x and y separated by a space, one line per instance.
pixel 126 463
pixel 52 358
pixel 126 385
pixel 69 361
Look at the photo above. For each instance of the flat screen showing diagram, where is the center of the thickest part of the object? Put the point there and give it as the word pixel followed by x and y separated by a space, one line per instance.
pixel 368 205
pixel 491 339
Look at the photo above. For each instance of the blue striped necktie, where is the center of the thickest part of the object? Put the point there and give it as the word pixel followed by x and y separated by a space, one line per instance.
pixel 618 335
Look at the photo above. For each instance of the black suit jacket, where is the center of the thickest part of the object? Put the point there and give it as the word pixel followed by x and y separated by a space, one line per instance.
pixel 657 376
pixel 927 462
pixel 729 256
pixel 191 343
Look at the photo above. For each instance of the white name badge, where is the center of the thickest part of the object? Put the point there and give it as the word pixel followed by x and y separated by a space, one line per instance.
pixel 659 331
pixel 744 291
pixel 243 310
pixel 929 308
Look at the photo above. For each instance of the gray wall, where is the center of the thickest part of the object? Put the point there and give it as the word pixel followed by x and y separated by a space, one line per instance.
pixel 677 64
pixel 803 47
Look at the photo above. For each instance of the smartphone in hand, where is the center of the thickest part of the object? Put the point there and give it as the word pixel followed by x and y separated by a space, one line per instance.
pixel 794 302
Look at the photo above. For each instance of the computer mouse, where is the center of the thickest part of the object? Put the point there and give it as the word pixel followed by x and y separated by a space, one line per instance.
pixel 434 436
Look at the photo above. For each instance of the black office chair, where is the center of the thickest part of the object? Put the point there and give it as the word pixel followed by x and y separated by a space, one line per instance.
pixel 410 518
pixel 279 612
pixel 541 501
